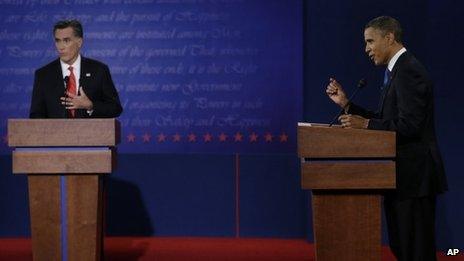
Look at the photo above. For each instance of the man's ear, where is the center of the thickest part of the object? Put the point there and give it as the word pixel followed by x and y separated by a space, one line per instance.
pixel 390 37
pixel 79 41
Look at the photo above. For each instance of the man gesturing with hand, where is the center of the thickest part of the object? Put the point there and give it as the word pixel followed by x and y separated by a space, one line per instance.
pixel 405 107
pixel 73 86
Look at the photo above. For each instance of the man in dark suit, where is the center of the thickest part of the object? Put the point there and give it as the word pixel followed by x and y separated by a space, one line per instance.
pixel 406 107
pixel 73 86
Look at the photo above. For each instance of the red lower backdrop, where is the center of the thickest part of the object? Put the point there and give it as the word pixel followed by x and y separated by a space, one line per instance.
pixel 193 249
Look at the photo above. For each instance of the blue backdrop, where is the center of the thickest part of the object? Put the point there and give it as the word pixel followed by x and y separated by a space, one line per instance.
pixel 212 91
pixel 199 76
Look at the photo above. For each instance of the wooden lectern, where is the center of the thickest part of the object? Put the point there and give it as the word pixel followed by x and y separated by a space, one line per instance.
pixel 65 160
pixel 347 171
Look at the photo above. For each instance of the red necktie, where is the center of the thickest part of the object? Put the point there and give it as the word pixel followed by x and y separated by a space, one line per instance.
pixel 72 89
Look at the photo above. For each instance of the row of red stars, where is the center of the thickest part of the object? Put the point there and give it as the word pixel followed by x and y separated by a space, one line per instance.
pixel 237 137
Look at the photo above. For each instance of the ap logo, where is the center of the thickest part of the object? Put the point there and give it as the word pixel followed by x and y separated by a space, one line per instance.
pixel 452 252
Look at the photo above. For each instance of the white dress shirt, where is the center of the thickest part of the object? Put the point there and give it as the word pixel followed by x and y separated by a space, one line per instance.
pixel 395 57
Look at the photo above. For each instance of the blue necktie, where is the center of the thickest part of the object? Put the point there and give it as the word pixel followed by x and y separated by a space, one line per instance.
pixel 386 81
pixel 386 78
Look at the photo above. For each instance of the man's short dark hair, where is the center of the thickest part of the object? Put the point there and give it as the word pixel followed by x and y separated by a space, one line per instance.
pixel 74 24
pixel 387 24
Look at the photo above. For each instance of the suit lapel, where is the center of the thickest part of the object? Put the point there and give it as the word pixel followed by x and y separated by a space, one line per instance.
pixel 84 72
pixel 389 83
pixel 59 87
pixel 83 83
pixel 59 76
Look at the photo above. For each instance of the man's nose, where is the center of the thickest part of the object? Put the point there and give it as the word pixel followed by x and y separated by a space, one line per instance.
pixel 60 46
pixel 367 49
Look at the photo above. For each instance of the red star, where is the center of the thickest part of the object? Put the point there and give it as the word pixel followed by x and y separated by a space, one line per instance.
pixel 192 137
pixel 131 138
pixel 176 137
pixel 268 137
pixel 253 137
pixel 161 137
pixel 146 137
pixel 222 137
pixel 283 137
pixel 207 137
pixel 238 137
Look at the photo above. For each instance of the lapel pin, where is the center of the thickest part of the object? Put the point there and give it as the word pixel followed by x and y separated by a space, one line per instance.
pixel 87 75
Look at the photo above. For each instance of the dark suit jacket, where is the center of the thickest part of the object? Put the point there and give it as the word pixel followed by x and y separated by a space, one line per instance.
pixel 95 80
pixel 407 108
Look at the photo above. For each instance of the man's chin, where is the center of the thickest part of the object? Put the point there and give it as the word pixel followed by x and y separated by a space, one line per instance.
pixel 64 59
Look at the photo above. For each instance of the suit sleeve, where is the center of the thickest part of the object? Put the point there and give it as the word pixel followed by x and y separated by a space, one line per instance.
pixel 109 105
pixel 412 99
pixel 38 107
pixel 358 110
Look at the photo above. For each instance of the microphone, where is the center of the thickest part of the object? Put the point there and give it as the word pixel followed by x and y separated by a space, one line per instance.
pixel 361 84
pixel 66 80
